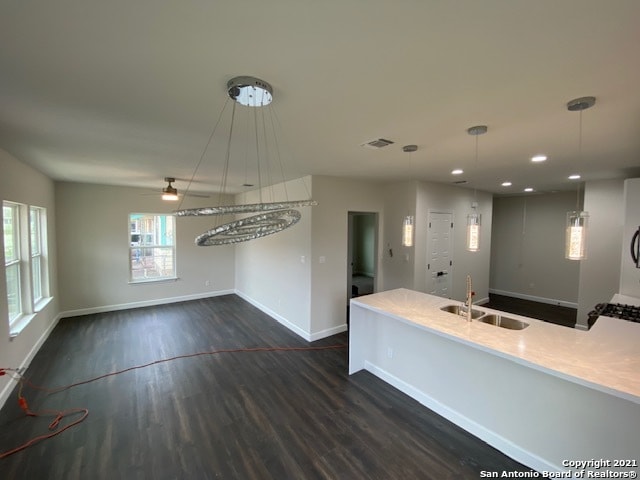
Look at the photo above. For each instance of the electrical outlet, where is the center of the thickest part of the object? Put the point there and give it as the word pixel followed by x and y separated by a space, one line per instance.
pixel 207 283
pixel 389 352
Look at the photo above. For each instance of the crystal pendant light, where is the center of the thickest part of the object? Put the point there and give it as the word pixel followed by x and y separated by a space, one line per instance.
pixel 576 235
pixel 249 93
pixel 576 228
pixel 473 231
pixel 474 219
pixel 407 223
pixel 407 231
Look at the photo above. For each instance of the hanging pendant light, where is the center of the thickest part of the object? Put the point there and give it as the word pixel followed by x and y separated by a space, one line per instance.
pixel 474 219
pixel 577 220
pixel 250 94
pixel 407 231
pixel 407 223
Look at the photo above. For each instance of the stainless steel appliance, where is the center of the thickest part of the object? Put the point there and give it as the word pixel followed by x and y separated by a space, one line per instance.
pixel 622 311
pixel 635 248
pixel 630 264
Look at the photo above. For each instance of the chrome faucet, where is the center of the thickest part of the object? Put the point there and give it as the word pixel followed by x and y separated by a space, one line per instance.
pixel 469 299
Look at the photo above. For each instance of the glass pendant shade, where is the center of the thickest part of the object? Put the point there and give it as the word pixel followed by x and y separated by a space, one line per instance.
pixel 473 232
pixel 172 197
pixel 407 231
pixel 576 235
pixel 170 192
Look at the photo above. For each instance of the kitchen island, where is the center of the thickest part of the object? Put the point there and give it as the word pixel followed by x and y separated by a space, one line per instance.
pixel 545 395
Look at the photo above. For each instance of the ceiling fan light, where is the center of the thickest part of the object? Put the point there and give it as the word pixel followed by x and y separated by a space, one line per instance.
pixel 170 193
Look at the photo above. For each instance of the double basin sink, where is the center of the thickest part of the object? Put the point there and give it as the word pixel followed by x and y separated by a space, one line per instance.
pixel 496 319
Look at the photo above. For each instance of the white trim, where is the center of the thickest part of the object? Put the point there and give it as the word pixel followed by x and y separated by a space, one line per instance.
pixel 6 391
pixel 279 318
pixel 497 441
pixel 328 332
pixel 309 337
pixel 145 303
pixel 20 323
pixel 147 281
pixel 550 301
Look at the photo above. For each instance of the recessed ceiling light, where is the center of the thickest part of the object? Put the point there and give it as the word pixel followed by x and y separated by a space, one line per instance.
pixel 528 189
pixel 538 158
pixel 457 171
pixel 574 177
pixel 506 184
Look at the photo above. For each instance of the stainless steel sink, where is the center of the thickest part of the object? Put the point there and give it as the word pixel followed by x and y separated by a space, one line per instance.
pixel 502 321
pixel 462 311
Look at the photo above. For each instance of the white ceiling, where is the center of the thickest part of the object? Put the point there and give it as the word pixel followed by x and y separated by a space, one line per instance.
pixel 126 92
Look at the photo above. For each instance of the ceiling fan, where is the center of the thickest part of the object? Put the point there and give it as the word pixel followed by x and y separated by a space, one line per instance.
pixel 170 193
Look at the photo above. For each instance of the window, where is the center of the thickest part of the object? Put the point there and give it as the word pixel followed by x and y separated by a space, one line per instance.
pixel 25 262
pixel 38 227
pixel 11 228
pixel 152 251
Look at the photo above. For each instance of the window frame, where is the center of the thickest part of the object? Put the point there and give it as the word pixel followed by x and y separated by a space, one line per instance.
pixel 38 254
pixel 151 240
pixel 13 263
pixel 22 261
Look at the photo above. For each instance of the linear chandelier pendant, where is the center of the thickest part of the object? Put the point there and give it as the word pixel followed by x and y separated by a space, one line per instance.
pixel 272 217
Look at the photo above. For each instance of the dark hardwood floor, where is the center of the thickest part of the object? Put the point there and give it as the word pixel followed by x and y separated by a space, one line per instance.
pixel 245 415
pixel 557 314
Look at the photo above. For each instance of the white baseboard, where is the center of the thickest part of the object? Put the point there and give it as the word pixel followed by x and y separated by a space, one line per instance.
pixel 144 303
pixel 308 336
pixel 328 332
pixel 550 301
pixel 497 441
pixel 279 318
pixel 6 391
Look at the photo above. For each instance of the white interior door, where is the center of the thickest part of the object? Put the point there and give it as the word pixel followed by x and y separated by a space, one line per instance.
pixel 439 256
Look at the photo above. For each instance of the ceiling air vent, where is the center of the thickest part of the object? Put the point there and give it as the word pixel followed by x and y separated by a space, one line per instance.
pixel 377 143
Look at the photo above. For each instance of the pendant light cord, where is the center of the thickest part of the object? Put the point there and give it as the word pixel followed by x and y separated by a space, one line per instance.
pixel 204 151
pixel 579 158
pixel 475 188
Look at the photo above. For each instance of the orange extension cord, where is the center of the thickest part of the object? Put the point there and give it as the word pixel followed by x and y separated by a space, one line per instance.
pixel 83 412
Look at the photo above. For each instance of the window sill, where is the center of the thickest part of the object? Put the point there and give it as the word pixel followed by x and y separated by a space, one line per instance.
pixel 43 302
pixel 146 281
pixel 21 323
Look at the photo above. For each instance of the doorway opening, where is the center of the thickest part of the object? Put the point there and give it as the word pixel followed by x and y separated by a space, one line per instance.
pixel 362 264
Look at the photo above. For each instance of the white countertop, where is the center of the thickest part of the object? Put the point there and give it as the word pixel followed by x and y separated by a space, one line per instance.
pixel 606 357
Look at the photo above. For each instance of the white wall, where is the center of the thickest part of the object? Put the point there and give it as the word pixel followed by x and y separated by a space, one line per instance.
pixel 399 262
pixel 336 197
pixel 274 272
pixel 432 197
pixel 527 250
pixel 600 271
pixel 22 184
pixel 407 267
pixel 93 250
